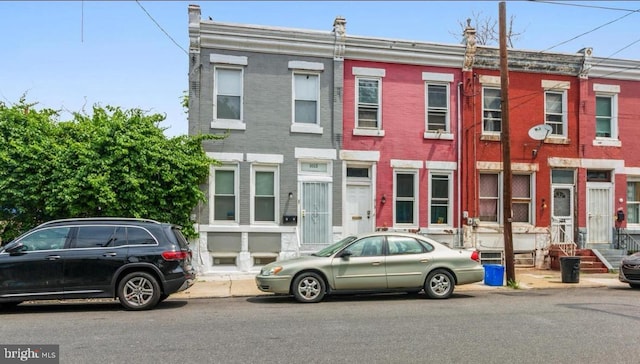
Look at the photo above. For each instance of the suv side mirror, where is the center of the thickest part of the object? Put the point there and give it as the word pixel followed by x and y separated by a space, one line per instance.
pixel 13 247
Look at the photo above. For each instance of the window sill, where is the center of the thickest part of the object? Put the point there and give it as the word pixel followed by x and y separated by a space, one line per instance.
pixel 606 142
pixel 228 124
pixel 490 137
pixel 437 135
pixel 368 132
pixel 557 140
pixel 306 128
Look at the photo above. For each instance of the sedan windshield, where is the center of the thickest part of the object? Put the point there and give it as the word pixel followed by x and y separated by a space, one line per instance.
pixel 331 249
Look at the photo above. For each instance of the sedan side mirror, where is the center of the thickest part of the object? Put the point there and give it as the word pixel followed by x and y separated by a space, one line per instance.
pixel 345 254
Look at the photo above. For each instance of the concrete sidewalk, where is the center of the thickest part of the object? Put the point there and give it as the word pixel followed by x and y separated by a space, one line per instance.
pixel 239 284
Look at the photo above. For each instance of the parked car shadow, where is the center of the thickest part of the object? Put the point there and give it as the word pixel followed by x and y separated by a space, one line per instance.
pixel 353 297
pixel 98 305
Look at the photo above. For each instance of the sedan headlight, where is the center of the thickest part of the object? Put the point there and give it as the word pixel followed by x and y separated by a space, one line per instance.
pixel 270 271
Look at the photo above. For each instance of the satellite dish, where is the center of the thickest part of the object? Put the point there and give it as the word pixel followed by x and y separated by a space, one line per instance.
pixel 540 132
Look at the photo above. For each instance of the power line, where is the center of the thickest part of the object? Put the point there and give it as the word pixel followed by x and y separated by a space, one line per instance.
pixel 581 5
pixel 160 27
pixel 592 30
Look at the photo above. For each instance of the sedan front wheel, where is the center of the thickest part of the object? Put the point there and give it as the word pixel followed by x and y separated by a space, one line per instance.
pixel 308 288
pixel 439 284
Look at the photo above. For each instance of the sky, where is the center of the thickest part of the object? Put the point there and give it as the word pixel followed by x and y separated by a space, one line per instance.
pixel 71 55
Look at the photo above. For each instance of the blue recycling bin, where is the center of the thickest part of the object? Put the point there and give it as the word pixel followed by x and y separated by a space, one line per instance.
pixel 493 275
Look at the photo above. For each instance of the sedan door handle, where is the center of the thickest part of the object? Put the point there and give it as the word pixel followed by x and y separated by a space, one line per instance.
pixel 375 263
pixel 424 261
pixel 109 254
pixel 52 257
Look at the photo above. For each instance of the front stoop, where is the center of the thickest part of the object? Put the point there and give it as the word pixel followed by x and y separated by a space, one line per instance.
pixel 589 262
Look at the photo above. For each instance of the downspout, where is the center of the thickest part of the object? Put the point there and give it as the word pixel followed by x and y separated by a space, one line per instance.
pixel 459 174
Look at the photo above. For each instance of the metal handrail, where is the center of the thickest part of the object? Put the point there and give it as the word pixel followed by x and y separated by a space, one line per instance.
pixel 626 241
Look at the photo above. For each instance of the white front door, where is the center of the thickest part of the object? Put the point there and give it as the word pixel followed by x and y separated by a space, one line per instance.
pixel 360 215
pixel 599 212
pixel 315 210
pixel 562 214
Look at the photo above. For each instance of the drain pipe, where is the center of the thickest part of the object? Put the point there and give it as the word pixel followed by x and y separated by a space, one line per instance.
pixel 458 177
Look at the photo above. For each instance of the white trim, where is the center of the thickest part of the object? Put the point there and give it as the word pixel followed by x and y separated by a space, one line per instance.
pixel 555 85
pixel 265 158
pixel 614 89
pixel 410 164
pixel 490 81
pixel 228 59
pixel 276 194
pixel 368 132
pixel 517 167
pixel 307 66
pixel 306 128
pixel 360 155
pixel 555 162
pixel 369 72
pixel 632 171
pixel 228 124
pixel 442 165
pixel 226 157
pixel 437 135
pixel 315 153
pixel 606 142
pixel 608 164
pixel 437 77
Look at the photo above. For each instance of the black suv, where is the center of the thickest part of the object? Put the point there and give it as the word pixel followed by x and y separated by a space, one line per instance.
pixel 140 262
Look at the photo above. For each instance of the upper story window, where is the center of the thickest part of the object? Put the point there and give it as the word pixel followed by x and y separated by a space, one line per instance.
pixel 437 107
pixel 305 108
pixel 555 112
pixel 438 110
pixel 606 114
pixel 228 91
pixel 306 91
pixel 491 110
pixel 368 101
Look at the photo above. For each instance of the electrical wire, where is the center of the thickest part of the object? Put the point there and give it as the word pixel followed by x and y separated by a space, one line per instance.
pixel 160 27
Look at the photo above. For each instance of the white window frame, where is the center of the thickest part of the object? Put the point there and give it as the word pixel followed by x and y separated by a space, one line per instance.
pixel 276 191
pixel 212 193
pixel 449 205
pixel 446 109
pixel 416 198
pixel 305 127
pixel 438 79
pixel 498 198
pixel 378 105
pixel 613 120
pixel 632 203
pixel 524 200
pixel 484 131
pixel 608 91
pixel 235 124
pixel 563 114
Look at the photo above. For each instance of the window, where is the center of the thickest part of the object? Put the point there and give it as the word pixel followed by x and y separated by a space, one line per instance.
pixel 368 101
pixel 366 247
pixel 228 93
pixel 555 112
pixel 489 197
pixel 401 245
pixel 306 88
pixel 139 236
pixel 633 202
pixel 440 198
pixel 521 198
pixel 605 116
pixel 265 187
pixel 491 110
pixel 405 198
pixel 437 107
pixel 225 194
pixel 95 237
pixel 46 239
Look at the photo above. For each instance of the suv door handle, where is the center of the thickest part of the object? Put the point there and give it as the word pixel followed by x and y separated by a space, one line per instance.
pixel 112 254
pixel 52 257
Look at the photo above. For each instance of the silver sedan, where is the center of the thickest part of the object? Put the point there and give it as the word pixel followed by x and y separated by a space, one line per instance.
pixel 376 262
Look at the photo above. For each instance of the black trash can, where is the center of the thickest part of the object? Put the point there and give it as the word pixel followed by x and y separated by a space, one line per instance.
pixel 570 269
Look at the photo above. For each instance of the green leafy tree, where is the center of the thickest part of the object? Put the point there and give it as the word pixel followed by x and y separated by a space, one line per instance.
pixel 113 163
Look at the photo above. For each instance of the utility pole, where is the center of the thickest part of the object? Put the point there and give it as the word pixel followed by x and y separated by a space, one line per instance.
pixel 506 148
